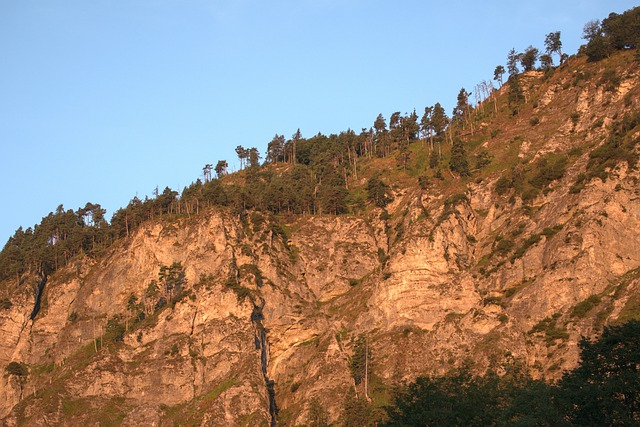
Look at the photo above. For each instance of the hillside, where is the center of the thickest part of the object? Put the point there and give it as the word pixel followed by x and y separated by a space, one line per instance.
pixel 248 309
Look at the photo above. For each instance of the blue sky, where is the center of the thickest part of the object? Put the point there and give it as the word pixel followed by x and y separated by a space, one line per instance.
pixel 103 100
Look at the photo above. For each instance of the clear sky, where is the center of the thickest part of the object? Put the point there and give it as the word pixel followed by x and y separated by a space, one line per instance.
pixel 103 100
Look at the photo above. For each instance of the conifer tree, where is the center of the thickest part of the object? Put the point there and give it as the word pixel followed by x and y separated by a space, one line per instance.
pixel 512 63
pixel 439 119
pixel 426 126
pixel 461 110
pixel 275 149
pixel 242 153
pixel 529 58
pixel 553 44
pixel 380 127
pixel 221 168
pixel 254 157
pixel 295 139
pixel 498 73
pixel 458 162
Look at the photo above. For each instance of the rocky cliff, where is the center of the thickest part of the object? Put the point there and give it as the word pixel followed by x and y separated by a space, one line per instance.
pixel 463 271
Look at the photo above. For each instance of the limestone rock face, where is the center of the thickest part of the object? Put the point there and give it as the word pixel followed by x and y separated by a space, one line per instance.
pixel 268 320
pixel 331 280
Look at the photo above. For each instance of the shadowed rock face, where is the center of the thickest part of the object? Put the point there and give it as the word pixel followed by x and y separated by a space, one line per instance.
pixel 266 323
pixel 38 297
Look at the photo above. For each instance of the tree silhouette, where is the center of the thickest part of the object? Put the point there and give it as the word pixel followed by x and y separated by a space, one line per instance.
pixel 221 168
pixel 553 44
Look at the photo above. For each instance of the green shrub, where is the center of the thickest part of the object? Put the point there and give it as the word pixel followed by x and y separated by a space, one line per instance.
pixel 532 240
pixel 509 292
pixel 518 230
pixel 114 330
pixel 610 79
pixel 424 182
pixel 619 147
pixel 5 304
pixel 548 169
pixel 482 159
pixel 550 329
pixel 495 300
pixel 529 195
pixel 504 246
pixel 257 219
pixel 549 232
pixel 502 185
pixel 382 256
pixel 241 291
pixel 450 204
pixel 17 369
pixel 575 117
pixel 254 271
pixel 581 309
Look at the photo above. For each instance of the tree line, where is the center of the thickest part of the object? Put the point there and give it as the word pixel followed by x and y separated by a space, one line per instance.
pixel 55 241
pixel 603 390
pixel 300 175
pixel 616 32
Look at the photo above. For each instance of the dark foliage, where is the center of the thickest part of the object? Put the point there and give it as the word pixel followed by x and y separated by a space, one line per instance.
pixel 115 330
pixel 616 32
pixel 603 390
pixel 619 147
pixel 358 413
pixel 548 169
pixel 359 360
pixel 458 162
pixel 379 192
pixel 502 185
pixel 17 369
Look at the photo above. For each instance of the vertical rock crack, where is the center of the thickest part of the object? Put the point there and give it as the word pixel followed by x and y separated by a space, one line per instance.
pixel 262 343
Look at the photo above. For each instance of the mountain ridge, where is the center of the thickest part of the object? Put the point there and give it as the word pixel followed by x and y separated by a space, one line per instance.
pixel 433 269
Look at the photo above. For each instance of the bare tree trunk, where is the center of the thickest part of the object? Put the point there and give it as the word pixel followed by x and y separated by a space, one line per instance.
pixel 366 370
pixel 355 165
pixel 95 341
pixel 355 388
pixel 293 158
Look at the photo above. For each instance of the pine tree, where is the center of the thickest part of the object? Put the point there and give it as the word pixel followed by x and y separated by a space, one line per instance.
pixel 425 125
pixel 498 73
pixel 275 149
pixel 512 63
pixel 529 58
pixel 553 44
pixel 458 162
pixel 221 168
pixel 515 95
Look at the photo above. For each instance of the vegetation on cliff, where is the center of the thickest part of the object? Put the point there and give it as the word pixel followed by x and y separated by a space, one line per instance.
pixel 324 174
pixel 459 202
pixel 603 390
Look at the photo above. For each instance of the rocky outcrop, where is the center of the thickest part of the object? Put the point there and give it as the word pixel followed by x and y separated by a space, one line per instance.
pixel 267 320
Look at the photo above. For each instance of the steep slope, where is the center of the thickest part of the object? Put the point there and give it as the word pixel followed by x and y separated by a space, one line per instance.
pixel 510 266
